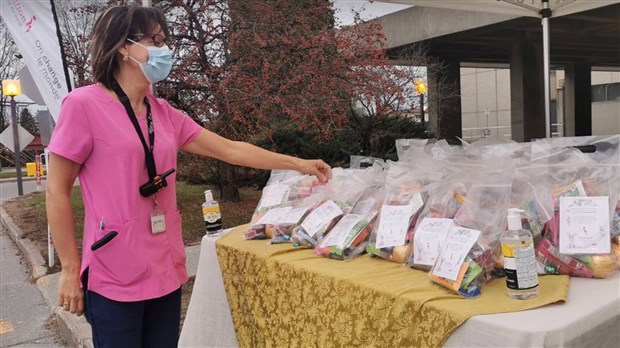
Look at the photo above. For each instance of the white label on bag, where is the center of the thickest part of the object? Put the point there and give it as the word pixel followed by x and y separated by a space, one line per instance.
pixel 294 216
pixel 273 216
pixel 339 234
pixel 453 252
pixel 584 225
pixel 393 225
pixel 320 217
pixel 428 238
pixel 274 195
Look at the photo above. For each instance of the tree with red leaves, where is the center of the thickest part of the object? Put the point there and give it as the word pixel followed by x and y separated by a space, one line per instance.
pixel 286 67
pixel 246 68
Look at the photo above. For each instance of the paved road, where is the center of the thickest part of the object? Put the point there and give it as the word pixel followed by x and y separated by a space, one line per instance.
pixel 23 310
pixel 8 189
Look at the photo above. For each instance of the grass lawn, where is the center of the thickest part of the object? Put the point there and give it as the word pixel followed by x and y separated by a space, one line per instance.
pixel 190 199
pixel 28 212
pixel 4 175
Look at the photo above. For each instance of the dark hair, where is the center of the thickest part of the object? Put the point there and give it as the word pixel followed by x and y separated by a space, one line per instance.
pixel 110 32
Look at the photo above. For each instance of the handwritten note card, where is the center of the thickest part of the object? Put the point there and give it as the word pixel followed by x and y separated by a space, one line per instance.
pixel 429 236
pixel 584 225
pixel 273 216
pixel 294 216
pixel 339 234
pixel 320 217
pixel 455 248
pixel 274 195
pixel 393 225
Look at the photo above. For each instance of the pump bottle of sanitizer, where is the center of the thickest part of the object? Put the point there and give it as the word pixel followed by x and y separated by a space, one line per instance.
pixel 212 215
pixel 519 259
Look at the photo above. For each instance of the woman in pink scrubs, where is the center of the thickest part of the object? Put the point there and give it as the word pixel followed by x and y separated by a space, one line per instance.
pixel 119 139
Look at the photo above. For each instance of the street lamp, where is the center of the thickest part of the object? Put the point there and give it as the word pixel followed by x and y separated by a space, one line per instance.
pixel 420 88
pixel 12 88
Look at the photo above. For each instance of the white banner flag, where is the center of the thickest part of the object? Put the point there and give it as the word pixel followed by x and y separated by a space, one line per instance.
pixel 32 24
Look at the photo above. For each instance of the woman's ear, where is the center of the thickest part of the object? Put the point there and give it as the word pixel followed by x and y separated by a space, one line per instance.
pixel 123 52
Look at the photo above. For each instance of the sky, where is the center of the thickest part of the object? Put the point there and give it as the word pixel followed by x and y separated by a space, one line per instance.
pixel 368 10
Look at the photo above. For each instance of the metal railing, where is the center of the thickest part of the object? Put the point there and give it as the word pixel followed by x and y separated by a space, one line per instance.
pixel 475 133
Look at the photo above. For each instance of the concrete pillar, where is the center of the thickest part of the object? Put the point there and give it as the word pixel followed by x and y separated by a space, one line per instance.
pixel 578 99
pixel 444 83
pixel 527 101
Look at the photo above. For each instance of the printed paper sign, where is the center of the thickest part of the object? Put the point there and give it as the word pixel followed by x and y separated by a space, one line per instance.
pixel 339 234
pixel 455 248
pixel 393 225
pixel 584 225
pixel 320 217
pixel 273 216
pixel 274 195
pixel 428 239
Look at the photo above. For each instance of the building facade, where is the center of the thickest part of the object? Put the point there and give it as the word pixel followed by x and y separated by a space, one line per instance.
pixel 485 103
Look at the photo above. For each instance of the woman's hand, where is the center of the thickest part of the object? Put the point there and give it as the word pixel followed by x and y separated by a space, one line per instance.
pixel 70 295
pixel 318 168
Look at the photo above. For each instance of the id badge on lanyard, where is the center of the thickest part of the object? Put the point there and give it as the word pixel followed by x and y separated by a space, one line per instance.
pixel 158 219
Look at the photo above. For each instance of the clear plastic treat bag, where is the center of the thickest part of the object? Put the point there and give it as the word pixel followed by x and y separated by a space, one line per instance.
pixel 340 195
pixel 468 254
pixel 283 187
pixel 393 230
pixel 585 190
pixel 350 235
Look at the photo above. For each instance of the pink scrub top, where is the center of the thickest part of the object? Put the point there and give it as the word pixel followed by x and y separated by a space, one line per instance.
pixel 95 131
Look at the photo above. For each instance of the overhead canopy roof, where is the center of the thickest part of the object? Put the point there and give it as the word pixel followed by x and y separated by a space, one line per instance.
pixel 591 37
pixel 529 8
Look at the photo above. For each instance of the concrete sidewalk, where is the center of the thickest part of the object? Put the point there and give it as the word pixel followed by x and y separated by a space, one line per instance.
pixel 73 329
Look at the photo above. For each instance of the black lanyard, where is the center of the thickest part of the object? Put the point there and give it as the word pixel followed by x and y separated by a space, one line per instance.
pixel 148 151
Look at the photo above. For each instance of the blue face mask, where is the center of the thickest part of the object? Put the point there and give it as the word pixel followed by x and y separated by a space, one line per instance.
pixel 159 63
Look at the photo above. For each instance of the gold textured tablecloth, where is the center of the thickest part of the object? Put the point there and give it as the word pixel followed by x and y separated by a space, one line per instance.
pixel 281 296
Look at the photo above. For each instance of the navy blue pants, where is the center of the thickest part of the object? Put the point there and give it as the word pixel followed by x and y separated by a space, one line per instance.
pixel 149 323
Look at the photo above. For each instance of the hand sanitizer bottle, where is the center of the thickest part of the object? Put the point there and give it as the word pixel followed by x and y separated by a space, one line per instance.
pixel 519 260
pixel 212 215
